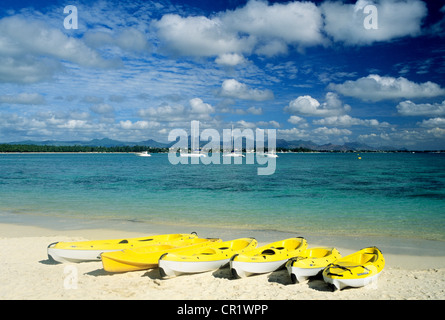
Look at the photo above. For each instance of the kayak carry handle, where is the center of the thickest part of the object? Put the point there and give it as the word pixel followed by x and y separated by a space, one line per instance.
pixel 53 244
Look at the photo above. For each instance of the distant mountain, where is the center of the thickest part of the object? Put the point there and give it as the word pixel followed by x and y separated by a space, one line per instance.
pixel 280 143
pixel 105 142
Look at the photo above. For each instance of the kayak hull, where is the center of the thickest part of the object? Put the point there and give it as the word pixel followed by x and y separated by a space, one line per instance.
pixel 205 259
pixel 268 258
pixel 355 270
pixel 310 263
pixel 169 268
pixel 83 251
pixel 147 257
pixel 245 269
pixel 340 284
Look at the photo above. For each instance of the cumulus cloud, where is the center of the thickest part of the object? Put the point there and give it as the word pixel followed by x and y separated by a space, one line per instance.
pixel 23 98
pixel 138 125
pixel 409 108
pixel 347 121
pixel 294 133
pixel 163 112
pixel 255 111
pixel 104 110
pixel 332 131
pixel 395 19
pixel 231 88
pixel 230 59
pixel 257 27
pixel 301 122
pixel 198 106
pixel 297 23
pixel 31 51
pixel 434 122
pixel 376 88
pixel 306 105
pixel 128 39
pixel 199 36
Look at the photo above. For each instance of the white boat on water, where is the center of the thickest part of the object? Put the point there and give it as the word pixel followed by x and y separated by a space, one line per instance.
pixel 269 155
pixel 195 153
pixel 233 153
pixel 143 154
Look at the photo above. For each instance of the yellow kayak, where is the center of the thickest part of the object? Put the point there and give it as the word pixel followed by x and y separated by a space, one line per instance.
pixel 203 259
pixel 355 270
pixel 267 258
pixel 147 257
pixel 91 250
pixel 311 262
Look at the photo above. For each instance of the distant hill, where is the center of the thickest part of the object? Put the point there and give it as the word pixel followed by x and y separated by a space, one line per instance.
pixel 280 143
pixel 105 142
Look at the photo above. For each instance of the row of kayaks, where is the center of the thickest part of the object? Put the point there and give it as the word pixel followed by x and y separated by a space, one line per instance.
pixel 176 254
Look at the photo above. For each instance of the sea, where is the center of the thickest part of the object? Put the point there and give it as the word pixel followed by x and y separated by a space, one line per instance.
pixel 395 195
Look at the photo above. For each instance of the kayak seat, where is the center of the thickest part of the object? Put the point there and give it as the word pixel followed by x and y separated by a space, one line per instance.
pixel 268 252
pixel 123 241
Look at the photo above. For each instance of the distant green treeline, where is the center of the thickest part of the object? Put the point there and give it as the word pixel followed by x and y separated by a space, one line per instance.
pixel 45 148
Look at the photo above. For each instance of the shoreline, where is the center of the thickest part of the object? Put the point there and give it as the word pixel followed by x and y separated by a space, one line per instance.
pixel 28 274
pixel 394 245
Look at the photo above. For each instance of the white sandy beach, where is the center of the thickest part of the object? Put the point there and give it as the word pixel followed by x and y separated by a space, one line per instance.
pixel 26 273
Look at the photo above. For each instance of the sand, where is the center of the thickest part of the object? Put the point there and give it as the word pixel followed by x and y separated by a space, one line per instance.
pixel 26 273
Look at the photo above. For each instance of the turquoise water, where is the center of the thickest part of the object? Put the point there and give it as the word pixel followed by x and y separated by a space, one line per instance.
pixel 396 195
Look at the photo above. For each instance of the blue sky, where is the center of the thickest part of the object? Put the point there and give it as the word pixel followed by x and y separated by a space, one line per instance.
pixel 134 70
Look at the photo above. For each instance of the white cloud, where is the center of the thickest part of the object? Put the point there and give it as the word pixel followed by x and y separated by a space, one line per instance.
pixel 258 26
pixel 129 39
pixel 255 111
pixel 21 36
pixel 23 98
pixel 199 36
pixel 31 51
pixel 395 19
pixel 306 105
pixel 163 112
pixel 301 122
pixel 437 132
pixel 230 59
pixel 347 121
pixel 293 133
pixel 198 106
pixel 332 131
pixel 434 122
pixel 409 108
pixel 290 23
pixel 76 124
pixel 138 125
pixel 271 123
pixel 245 124
pixel 103 109
pixel 376 88
pixel 231 88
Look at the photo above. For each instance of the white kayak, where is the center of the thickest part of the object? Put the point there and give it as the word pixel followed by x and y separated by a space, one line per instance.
pixel 197 260
pixel 81 251
pixel 310 263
